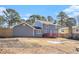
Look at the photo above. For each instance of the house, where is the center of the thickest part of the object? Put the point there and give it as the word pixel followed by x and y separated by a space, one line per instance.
pixel 75 32
pixel 64 32
pixel 26 30
pixel 48 28
pixel 39 29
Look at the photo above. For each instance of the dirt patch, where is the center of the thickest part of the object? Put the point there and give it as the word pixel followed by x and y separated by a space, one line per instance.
pixel 37 46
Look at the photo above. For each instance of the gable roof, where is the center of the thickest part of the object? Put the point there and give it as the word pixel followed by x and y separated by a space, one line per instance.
pixel 24 23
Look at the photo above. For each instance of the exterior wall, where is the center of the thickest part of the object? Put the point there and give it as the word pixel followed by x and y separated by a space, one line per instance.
pixel 38 33
pixel 63 32
pixel 76 32
pixel 23 31
pixel 6 32
pixel 49 28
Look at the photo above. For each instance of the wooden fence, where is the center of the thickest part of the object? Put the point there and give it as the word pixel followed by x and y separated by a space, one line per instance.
pixel 5 32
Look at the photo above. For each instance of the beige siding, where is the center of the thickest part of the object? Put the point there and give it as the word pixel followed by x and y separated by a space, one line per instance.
pixel 63 32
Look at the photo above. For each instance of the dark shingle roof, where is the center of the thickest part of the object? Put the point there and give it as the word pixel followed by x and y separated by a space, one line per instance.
pixel 36 27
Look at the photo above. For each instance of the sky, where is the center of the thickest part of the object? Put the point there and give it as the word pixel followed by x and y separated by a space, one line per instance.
pixel 45 10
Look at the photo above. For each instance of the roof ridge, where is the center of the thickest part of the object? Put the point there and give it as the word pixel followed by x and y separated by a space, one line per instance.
pixel 26 24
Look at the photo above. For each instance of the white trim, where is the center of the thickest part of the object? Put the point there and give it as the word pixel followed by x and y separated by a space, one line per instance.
pixel 26 24
pixel 33 32
pixel 38 31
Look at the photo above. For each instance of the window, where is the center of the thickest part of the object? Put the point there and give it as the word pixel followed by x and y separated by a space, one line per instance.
pixel 51 31
pixel 47 30
pixel 62 30
pixel 77 30
pixel 38 31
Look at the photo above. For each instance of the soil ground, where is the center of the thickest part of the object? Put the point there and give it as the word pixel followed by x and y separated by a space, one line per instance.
pixel 38 46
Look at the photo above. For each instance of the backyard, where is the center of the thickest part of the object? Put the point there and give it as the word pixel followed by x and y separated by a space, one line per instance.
pixel 38 46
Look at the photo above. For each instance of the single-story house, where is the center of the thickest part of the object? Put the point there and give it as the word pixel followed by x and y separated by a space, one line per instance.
pixel 25 30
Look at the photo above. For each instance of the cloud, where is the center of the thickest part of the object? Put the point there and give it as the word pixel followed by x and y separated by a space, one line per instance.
pixel 27 15
pixel 1 10
pixel 25 18
pixel 72 10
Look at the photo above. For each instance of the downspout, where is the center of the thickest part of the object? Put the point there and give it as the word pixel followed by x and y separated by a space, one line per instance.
pixel 33 32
